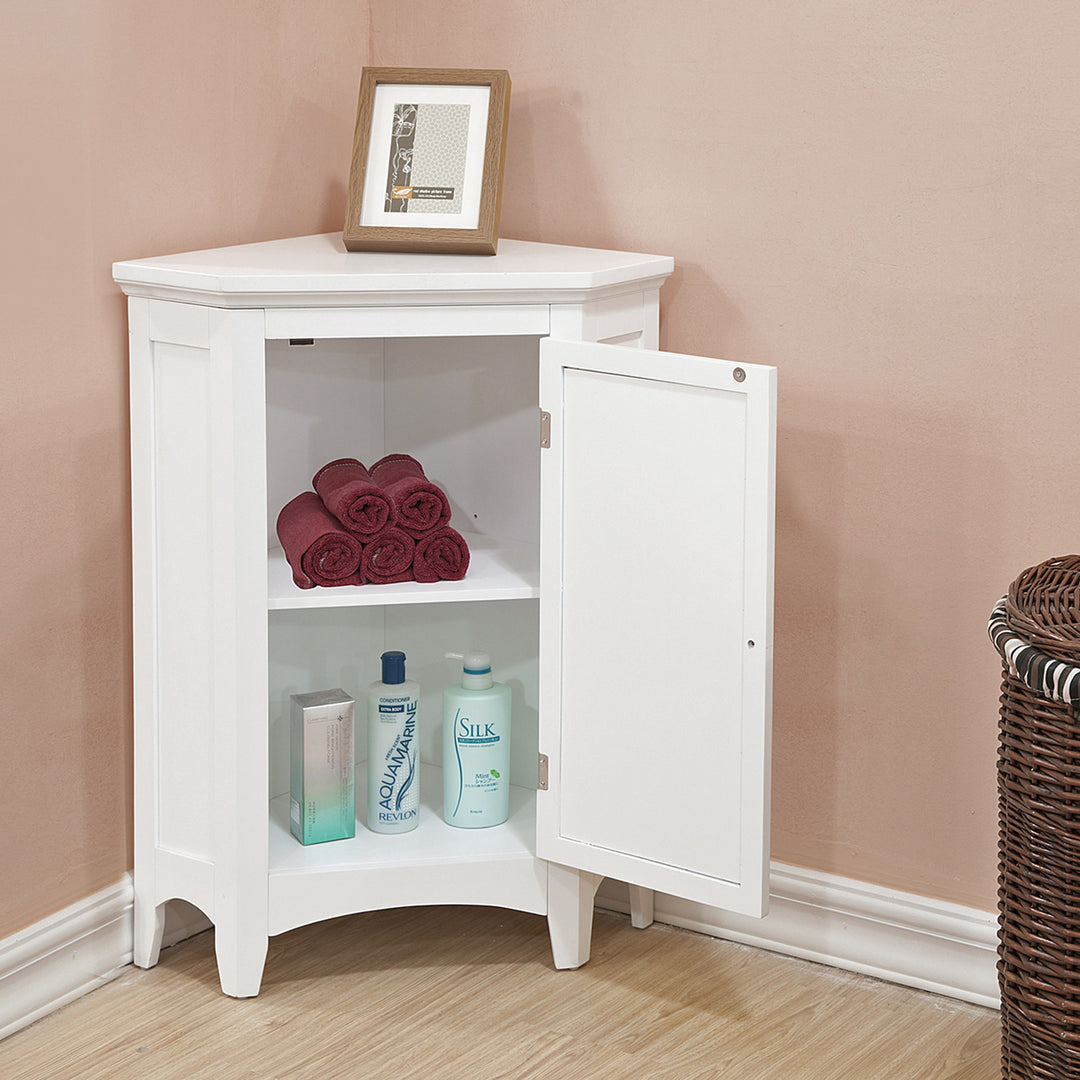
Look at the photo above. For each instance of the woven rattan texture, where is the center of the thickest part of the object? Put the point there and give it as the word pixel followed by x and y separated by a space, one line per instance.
pixel 1039 840
pixel 1043 607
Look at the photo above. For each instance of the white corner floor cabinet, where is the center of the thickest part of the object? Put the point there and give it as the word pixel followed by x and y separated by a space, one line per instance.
pixel 618 504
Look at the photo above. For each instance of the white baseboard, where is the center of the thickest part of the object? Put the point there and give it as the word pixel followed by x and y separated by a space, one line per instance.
pixel 59 959
pixel 64 956
pixel 899 937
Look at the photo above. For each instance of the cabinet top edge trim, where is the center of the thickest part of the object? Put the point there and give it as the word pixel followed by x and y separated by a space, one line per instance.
pixel 318 270
pixel 257 300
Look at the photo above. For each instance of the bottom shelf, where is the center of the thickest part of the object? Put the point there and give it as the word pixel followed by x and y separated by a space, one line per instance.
pixel 433 864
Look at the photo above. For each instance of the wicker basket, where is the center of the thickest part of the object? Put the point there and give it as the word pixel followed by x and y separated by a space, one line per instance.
pixel 1036 629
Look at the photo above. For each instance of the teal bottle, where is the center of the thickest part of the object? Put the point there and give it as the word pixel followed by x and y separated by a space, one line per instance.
pixel 476 747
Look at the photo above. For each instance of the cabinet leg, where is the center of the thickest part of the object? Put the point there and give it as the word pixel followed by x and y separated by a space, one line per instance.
pixel 641 906
pixel 147 933
pixel 241 956
pixel 570 914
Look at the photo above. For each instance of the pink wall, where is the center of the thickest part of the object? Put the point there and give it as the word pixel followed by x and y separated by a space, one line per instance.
pixel 128 129
pixel 881 200
pixel 878 200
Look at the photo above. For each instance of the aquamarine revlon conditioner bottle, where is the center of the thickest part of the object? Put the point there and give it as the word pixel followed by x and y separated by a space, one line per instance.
pixel 476 747
pixel 393 766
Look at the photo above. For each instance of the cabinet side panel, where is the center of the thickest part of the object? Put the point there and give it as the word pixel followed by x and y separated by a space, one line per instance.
pixel 181 454
pixel 629 318
pixel 652 652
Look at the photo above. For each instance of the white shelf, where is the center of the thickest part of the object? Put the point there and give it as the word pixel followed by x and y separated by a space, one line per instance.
pixel 498 570
pixel 433 864
pixel 430 843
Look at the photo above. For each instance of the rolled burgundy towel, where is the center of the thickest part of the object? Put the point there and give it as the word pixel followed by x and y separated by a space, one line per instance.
pixel 441 556
pixel 349 493
pixel 388 557
pixel 319 550
pixel 421 505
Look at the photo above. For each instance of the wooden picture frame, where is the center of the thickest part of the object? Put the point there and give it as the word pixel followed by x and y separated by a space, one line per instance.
pixel 429 145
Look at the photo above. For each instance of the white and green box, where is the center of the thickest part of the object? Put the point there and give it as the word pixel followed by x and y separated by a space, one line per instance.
pixel 322 804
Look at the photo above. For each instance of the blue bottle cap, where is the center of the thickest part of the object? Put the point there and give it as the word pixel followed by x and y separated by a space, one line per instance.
pixel 393 667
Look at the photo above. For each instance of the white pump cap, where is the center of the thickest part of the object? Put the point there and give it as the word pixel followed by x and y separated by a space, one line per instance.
pixel 475 669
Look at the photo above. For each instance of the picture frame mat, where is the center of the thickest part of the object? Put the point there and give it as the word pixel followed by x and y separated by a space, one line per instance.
pixel 387 95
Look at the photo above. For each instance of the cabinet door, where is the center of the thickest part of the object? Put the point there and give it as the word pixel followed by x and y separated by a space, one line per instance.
pixel 656 571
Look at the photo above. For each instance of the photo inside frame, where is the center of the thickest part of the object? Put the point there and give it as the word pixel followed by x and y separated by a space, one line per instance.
pixel 425 161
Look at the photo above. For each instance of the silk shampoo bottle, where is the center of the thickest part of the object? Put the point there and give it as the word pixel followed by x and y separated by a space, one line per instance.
pixel 476 747
pixel 393 766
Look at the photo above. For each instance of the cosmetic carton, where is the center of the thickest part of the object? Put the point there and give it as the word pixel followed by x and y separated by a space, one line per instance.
pixel 322 803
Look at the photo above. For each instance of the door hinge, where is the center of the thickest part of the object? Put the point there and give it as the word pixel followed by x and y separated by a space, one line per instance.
pixel 545 430
pixel 542 773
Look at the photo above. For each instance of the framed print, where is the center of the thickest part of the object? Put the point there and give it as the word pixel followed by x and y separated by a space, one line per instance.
pixel 427 160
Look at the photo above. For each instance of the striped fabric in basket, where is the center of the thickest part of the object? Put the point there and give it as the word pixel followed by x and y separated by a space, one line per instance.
pixel 1052 678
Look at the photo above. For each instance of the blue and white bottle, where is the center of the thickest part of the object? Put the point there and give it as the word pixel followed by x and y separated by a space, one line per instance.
pixel 476 747
pixel 393 765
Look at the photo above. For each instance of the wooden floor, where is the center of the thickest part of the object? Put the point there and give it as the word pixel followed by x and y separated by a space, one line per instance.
pixel 470 993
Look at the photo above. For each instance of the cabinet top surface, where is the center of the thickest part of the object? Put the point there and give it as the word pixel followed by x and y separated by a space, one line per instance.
pixel 318 269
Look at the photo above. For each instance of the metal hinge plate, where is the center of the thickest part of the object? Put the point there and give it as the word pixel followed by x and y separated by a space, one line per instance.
pixel 542 773
pixel 545 430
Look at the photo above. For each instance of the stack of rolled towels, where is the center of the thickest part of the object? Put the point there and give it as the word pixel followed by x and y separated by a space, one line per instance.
pixel 365 526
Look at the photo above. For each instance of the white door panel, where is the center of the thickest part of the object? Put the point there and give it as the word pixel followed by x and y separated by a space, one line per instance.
pixel 655 578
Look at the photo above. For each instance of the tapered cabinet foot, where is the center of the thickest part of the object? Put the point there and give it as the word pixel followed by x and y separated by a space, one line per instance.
pixel 570 914
pixel 241 957
pixel 641 906
pixel 148 930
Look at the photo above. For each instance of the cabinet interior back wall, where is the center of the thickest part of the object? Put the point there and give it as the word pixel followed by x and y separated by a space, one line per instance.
pixel 465 407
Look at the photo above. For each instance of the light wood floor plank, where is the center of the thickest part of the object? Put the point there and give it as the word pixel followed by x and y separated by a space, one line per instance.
pixel 443 993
